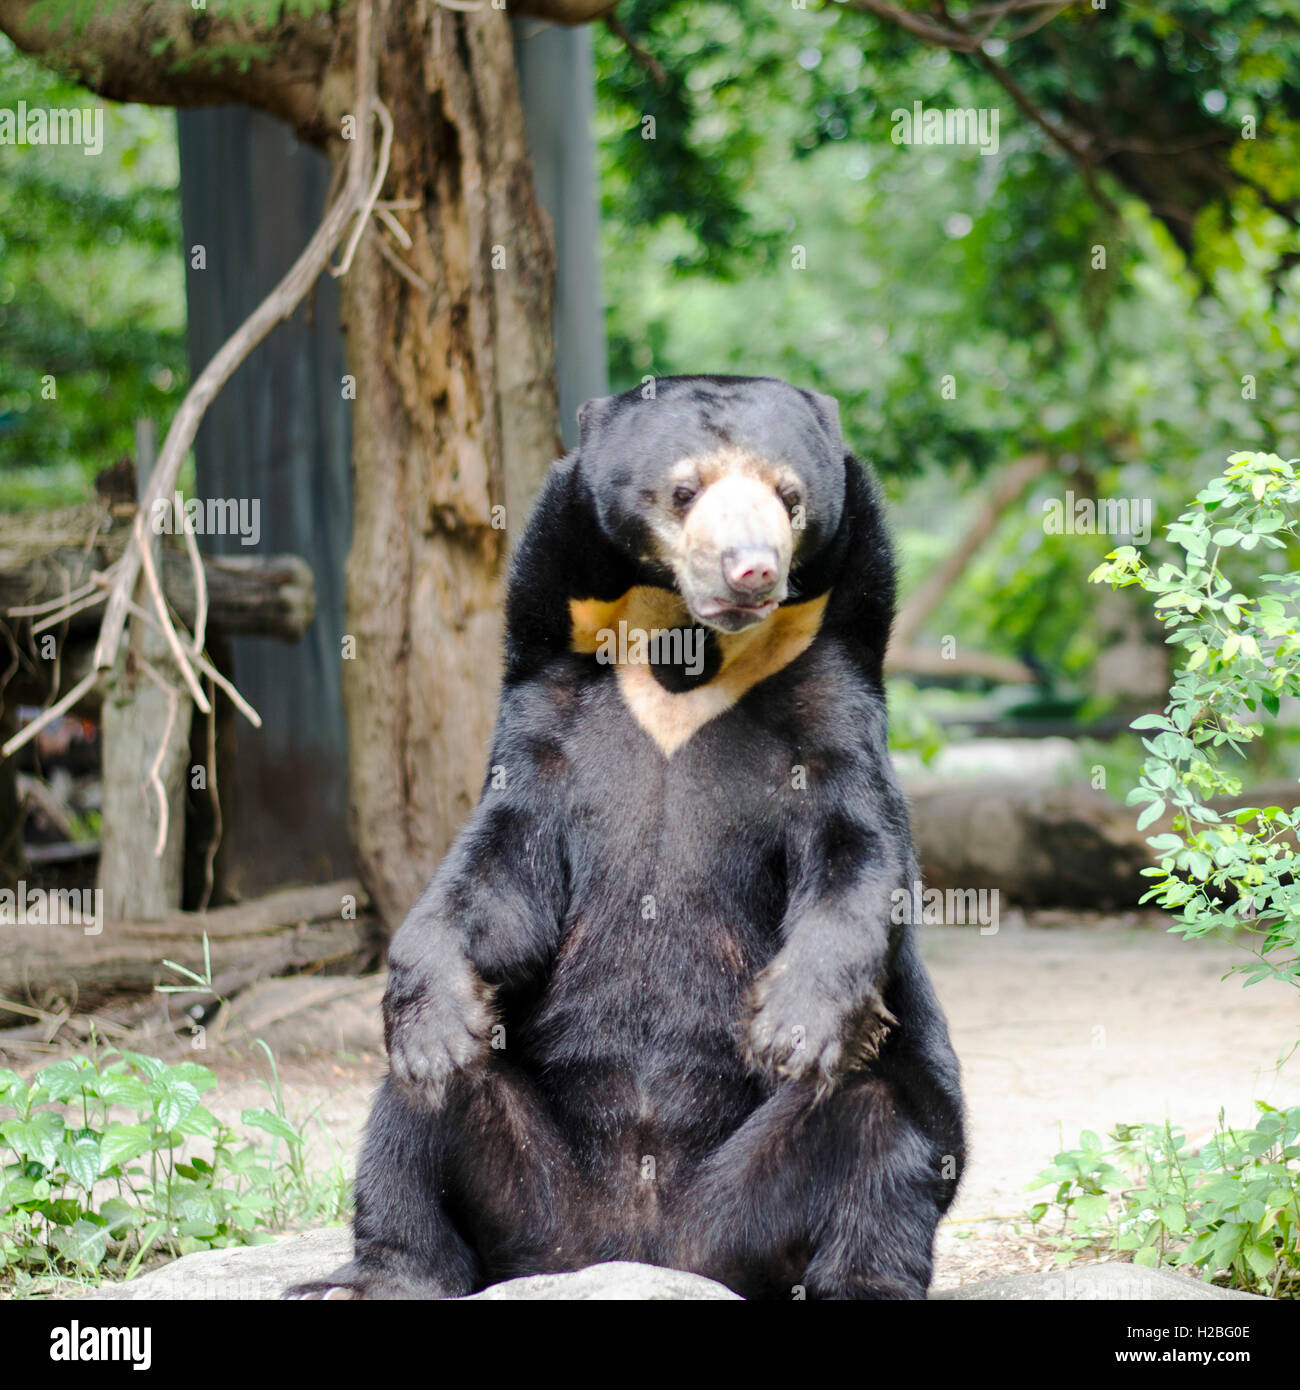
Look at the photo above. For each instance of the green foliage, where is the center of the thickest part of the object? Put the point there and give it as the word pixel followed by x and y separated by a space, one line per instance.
pixel 100 1169
pixel 1241 656
pixel 1229 601
pixel 911 727
pixel 1231 1210
pixel 91 290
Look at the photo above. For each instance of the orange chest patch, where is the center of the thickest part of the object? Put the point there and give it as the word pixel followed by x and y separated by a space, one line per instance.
pixel 672 717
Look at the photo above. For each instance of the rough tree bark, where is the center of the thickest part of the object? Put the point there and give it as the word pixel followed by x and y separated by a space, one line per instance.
pixel 455 415
pixel 455 411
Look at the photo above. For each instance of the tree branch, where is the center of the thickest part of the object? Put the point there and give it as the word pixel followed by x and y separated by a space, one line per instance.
pixel 169 54
pixel 1076 152
pixel 929 593
pixel 642 56
pixel 278 305
pixel 954 35
pixel 920 25
pixel 570 12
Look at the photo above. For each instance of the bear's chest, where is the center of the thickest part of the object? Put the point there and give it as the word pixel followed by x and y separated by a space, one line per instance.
pixel 650 818
pixel 676 892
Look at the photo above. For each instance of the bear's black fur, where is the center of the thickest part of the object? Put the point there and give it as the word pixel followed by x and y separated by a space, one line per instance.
pixel 660 1001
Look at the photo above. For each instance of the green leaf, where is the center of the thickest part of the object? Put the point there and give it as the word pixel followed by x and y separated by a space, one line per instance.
pixel 1091 1210
pixel 122 1089
pixel 37 1138
pixel 66 1078
pixel 272 1123
pixel 1174 1217
pixel 122 1143
pixel 120 1216
pixel 199 1077
pixel 152 1067
pixel 13 1089
pixel 173 1101
pixel 80 1160
pixel 85 1243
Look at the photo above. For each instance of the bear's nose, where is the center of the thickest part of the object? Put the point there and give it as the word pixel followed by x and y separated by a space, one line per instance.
pixel 750 569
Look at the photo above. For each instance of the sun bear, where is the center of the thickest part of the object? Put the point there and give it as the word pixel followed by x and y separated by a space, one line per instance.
pixel 662 1000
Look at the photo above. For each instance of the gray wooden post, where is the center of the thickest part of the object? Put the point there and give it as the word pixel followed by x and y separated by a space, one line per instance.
pixel 143 728
pixel 279 434
pixel 557 81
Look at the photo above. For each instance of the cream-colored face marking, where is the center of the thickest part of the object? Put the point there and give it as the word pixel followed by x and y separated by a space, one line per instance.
pixel 737 508
pixel 748 657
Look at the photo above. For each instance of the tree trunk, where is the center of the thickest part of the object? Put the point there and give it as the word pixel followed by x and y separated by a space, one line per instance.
pixel 454 425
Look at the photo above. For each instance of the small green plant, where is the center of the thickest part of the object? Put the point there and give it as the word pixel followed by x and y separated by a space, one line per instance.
pixel 99 1166
pixel 1230 1210
pixel 1236 877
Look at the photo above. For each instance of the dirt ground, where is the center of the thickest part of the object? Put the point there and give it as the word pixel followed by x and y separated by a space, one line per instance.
pixel 1077 1023
pixel 1063 1022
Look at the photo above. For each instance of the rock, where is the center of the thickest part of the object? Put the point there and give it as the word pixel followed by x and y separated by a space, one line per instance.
pixel 243 1272
pixel 265 1271
pixel 619 1279
pixel 1112 1281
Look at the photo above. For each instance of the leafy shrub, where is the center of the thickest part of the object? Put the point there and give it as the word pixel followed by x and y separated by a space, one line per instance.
pixel 1234 877
pixel 1231 1210
pixel 84 1190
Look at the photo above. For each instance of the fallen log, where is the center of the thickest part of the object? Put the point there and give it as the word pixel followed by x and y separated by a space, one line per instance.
pixel 285 932
pixel 45 555
pixel 1053 846
pixel 1067 846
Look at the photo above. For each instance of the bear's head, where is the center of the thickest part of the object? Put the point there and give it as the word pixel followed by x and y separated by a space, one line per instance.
pixel 726 504
pixel 718 487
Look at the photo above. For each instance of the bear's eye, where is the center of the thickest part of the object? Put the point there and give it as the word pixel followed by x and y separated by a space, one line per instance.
pixel 683 494
pixel 789 494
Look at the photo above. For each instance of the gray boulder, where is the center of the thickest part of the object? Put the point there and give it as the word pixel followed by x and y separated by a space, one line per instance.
pixel 1116 1282
pixel 265 1271
pixel 244 1272
pixel 620 1279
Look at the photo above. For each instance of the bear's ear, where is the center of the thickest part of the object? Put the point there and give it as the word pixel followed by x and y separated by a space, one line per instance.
pixel 827 410
pixel 592 415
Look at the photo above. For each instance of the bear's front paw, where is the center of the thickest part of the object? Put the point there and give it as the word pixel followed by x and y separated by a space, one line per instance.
pixel 435 1032
pixel 796 1031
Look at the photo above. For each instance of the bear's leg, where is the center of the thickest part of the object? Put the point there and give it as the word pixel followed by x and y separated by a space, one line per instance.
pixel 831 1198
pixel 454 1199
